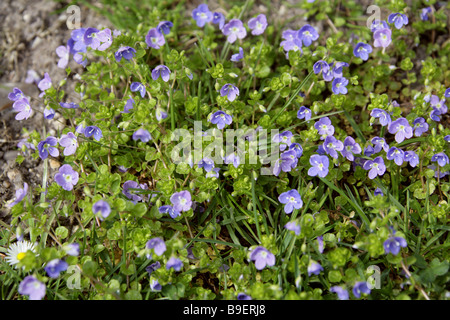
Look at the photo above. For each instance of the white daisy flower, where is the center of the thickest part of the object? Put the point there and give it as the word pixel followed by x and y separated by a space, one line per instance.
pixel 17 250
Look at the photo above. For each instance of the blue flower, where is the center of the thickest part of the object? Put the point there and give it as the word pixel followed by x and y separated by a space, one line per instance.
pixel 362 50
pixel 382 115
pixel 319 166
pixel 128 105
pixel 398 19
pixel 234 159
pixel 284 139
pixel 291 199
pixel 32 287
pixel 20 195
pixel 350 148
pixel 297 148
pixel 154 39
pixel 258 24
pixel 262 257
pixel 420 126
pixel 151 268
pixel 286 162
pixel 425 12
pixel 67 178
pixel 412 158
pixel 441 158
pixel 321 65
pixel 401 128
pixel 125 52
pixel 359 288
pixel 16 94
pixel 394 244
pixel 218 18
pixel 93 131
pixel 379 143
pixel 55 267
pixel 69 105
pixel 170 210
pixel 142 134
pixel 157 244
pixel 207 164
pixel 202 15
pixel 221 119
pixel 304 113
pixel 378 192
pixel 181 201
pixel 395 154
pixel 234 30
pixel 324 127
pixel 331 146
pixel 238 56
pixel 174 263
pixel 164 27
pixel 243 296
pixel 162 71
pixel 293 226
pixel 137 86
pixel 338 69
pixel 341 292
pixel 102 209
pixel 314 268
pixel 47 147
pixel 307 34
pixel 375 167
pixel 230 91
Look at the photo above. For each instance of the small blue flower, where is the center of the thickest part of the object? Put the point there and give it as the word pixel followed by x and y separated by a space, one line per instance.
pixel 321 65
pixel 157 244
pixel 362 51
pixel 55 267
pixel 378 192
pixel 412 158
pixel 162 71
pixel 181 201
pixel 102 209
pixel 319 165
pixel 154 39
pixel 297 148
pixel 32 287
pixel 221 119
pixel 20 195
pixel 238 56
pixel 207 164
pixel 398 19
pixel 338 69
pixel 284 139
pixel 331 146
pixel 234 30
pixel 69 105
pixel 304 113
pixel 234 159
pixel 137 86
pixel 401 128
pixel 359 288
pixel 375 167
pixel 395 154
pixel 382 115
pixel 291 199
pixel 379 143
pixel 314 268
pixel 125 52
pixel 350 148
pixel 174 263
pixel 219 18
pixel 262 257
pixel 441 158
pixel 72 249
pixel 293 226
pixel 164 27
pixel 425 12
pixel 202 15
pixel 47 147
pixel 93 131
pixel 142 134
pixel 230 91
pixel 258 24
pixel 170 210
pixel 243 296
pixel 308 34
pixel 324 127
pixel 394 244
pixel 341 292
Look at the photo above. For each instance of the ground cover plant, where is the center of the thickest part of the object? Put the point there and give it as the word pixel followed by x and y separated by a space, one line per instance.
pixel 217 154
